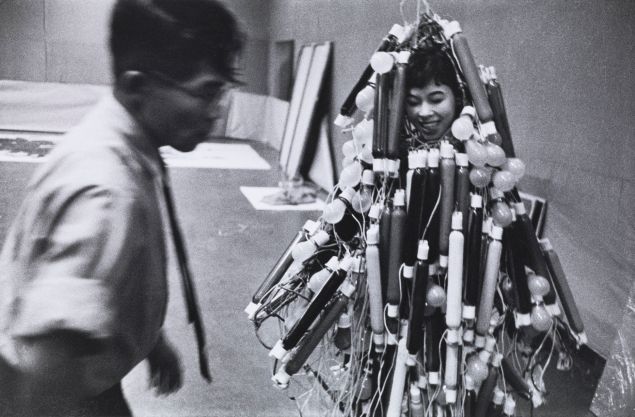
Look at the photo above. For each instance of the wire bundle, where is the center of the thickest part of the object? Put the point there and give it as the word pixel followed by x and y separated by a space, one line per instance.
pixel 422 290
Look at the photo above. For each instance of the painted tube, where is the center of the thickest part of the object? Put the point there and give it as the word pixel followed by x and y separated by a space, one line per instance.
pixel 518 275
pixel 486 392
pixel 472 77
pixel 447 168
pixel 451 366
pixel 462 187
pixel 380 130
pixel 398 380
pixel 435 326
pixel 373 281
pixel 473 254
pixel 430 214
pixel 414 215
pixel 419 291
pixel 490 281
pixel 390 42
pixel 395 252
pixel 333 311
pixel 281 266
pixel 455 273
pixel 396 105
pixel 469 405
pixel 534 256
pixel 412 165
pixel 495 98
pixel 384 245
pixel 515 379
pixel 299 328
pixel 562 287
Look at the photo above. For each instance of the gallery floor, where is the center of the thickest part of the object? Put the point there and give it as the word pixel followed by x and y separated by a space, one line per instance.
pixel 232 247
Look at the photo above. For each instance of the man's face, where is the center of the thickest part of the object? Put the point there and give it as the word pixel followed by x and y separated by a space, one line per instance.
pixel 181 114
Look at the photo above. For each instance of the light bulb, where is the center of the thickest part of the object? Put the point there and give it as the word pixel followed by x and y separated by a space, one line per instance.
pixel 476 153
pixel 363 133
pixel 349 149
pixel 463 127
pixel 362 200
pixel 347 160
pixel 504 181
pixel 435 296
pixel 365 99
pixel 501 214
pixel 366 154
pixel 538 285
pixel 351 175
pixel 334 212
pixel 382 62
pixel 495 155
pixel 480 177
pixel 477 369
pixel 303 250
pixel 495 138
pixel 540 318
pixel 516 167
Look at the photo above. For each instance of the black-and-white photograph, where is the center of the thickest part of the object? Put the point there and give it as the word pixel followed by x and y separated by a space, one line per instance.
pixel 312 208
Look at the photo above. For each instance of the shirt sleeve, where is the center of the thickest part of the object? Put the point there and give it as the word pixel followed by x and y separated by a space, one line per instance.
pixel 85 247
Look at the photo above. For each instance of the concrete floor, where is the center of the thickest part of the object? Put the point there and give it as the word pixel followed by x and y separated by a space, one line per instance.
pixel 232 247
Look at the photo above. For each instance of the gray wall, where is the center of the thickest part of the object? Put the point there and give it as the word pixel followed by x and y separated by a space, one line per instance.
pixel 66 41
pixel 565 67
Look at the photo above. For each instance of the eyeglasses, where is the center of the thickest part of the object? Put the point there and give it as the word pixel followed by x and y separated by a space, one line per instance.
pixel 211 91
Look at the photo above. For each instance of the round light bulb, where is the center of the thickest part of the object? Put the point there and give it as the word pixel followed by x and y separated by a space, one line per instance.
pixel 347 160
pixel 381 62
pixel 477 369
pixel 351 175
pixel 495 155
pixel 538 285
pixel 476 153
pixel 334 212
pixel 515 166
pixel 540 318
pixel 362 201
pixel 504 181
pixel 501 214
pixel 363 133
pixel 480 177
pixel 303 250
pixel 463 128
pixel 495 138
pixel 349 149
pixel 366 155
pixel 365 99
pixel 435 296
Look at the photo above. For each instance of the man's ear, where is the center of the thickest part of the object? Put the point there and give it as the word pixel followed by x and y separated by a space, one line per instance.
pixel 132 82
pixel 131 88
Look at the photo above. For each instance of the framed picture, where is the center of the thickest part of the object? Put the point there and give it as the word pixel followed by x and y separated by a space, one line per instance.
pixel 536 209
pixel 312 64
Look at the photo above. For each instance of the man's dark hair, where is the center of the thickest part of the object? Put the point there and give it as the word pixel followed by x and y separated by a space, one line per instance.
pixel 434 65
pixel 174 37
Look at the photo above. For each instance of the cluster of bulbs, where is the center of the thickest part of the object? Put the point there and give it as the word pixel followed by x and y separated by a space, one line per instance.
pixel 413 286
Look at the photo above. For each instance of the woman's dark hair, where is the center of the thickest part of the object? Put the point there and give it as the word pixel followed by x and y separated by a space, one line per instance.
pixel 174 37
pixel 433 65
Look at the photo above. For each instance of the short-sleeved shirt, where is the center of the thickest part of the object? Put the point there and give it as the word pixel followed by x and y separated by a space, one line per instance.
pixel 86 252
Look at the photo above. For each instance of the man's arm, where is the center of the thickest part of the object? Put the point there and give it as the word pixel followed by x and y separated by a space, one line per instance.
pixel 50 377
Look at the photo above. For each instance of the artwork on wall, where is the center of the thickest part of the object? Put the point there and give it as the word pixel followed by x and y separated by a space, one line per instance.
pixel 309 79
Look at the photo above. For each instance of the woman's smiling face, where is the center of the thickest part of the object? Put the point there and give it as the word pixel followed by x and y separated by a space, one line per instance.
pixel 431 109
